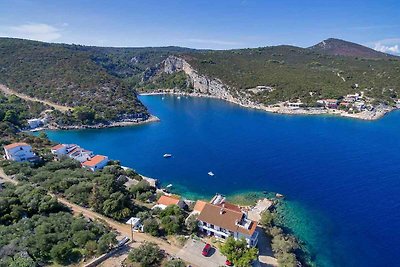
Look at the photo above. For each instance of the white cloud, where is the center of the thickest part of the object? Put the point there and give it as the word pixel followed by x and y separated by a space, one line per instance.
pixel 391 46
pixel 387 49
pixel 34 31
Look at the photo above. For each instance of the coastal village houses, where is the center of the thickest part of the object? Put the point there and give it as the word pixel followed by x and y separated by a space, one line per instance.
pixel 223 219
pixel 85 157
pixel 165 201
pixel 96 163
pixel 20 152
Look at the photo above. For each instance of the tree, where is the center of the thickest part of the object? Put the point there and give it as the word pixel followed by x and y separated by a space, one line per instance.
pixel 175 263
pixel 11 116
pixel 266 218
pixel 192 224
pixel 151 226
pixel 96 199
pixel 62 253
pixel 84 114
pixel 147 255
pixel 287 260
pixel 237 252
pixel 22 261
pixel 90 248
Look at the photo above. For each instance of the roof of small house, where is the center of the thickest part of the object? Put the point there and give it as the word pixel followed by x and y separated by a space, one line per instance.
pixel 57 147
pixel 94 161
pixel 14 145
pixel 225 218
pixel 199 205
pixel 229 206
pixel 168 200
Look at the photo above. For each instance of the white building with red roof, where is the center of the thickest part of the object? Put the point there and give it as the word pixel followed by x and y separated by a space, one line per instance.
pixel 19 152
pixel 72 151
pixel 96 163
pixel 223 219
pixel 165 201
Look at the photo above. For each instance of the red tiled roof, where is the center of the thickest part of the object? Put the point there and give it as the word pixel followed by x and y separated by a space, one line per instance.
pixel 94 161
pixel 199 205
pixel 168 200
pixel 230 206
pixel 14 145
pixel 226 219
pixel 57 147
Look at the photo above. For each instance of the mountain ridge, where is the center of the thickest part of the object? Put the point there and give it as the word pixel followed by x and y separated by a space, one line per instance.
pixel 339 47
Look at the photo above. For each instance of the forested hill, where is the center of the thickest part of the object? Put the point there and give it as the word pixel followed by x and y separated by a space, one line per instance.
pixel 104 79
pixel 66 75
pixel 308 74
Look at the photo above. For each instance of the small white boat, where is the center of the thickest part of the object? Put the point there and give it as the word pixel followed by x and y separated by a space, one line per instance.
pixel 179 97
pixel 162 98
pixel 211 173
pixel 167 155
pixel 170 185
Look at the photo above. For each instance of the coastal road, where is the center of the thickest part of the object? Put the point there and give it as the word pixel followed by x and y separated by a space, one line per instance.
pixel 8 91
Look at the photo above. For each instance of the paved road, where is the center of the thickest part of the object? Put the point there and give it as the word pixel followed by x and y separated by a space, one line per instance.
pixel 193 249
pixel 8 91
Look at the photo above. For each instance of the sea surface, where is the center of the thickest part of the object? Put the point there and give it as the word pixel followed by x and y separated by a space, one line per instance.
pixel 341 177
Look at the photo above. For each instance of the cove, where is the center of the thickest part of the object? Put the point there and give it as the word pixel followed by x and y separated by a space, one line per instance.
pixel 341 177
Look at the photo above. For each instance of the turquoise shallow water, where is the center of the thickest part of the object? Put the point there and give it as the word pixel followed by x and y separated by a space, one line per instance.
pixel 341 176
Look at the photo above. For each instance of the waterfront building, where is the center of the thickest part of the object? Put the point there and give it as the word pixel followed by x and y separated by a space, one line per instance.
pixel 165 201
pixel 227 220
pixel 20 152
pixel 96 163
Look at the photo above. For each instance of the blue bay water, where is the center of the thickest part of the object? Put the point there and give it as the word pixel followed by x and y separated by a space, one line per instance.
pixel 341 176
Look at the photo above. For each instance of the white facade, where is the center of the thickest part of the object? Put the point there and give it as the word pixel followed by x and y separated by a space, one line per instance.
pixel 35 123
pixel 19 152
pixel 221 233
pixel 96 163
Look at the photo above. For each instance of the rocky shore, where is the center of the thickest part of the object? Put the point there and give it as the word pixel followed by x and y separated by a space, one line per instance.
pixel 204 86
pixel 124 123
pixel 279 108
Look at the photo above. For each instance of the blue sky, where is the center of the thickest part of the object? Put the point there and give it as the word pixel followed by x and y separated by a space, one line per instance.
pixel 217 24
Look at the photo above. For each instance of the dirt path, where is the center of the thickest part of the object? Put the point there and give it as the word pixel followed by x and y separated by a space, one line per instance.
pixel 6 178
pixel 8 91
pixel 123 229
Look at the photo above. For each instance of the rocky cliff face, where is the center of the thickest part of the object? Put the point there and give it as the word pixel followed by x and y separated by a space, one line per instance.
pixel 201 83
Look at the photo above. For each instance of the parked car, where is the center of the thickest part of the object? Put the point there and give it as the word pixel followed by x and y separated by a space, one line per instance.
pixel 206 250
pixel 228 263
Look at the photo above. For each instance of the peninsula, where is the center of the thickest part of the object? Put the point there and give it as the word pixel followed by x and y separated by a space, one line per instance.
pixel 334 77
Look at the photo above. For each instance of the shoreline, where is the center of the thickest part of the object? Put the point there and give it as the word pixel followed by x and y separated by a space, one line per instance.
pixel 280 109
pixel 151 119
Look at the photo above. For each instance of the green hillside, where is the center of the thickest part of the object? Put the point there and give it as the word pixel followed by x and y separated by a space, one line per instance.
pixel 66 75
pixel 297 73
pixel 101 81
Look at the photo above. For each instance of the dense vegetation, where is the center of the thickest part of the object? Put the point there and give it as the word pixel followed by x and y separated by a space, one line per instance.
pixel 14 113
pixel 66 75
pixel 103 191
pixel 237 252
pixel 37 230
pixel 100 82
pixel 287 249
pixel 295 72
pixel 148 255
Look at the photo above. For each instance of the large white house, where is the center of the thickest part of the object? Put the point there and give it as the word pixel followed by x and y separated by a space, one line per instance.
pixel 72 151
pixel 223 219
pixel 19 152
pixel 96 163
